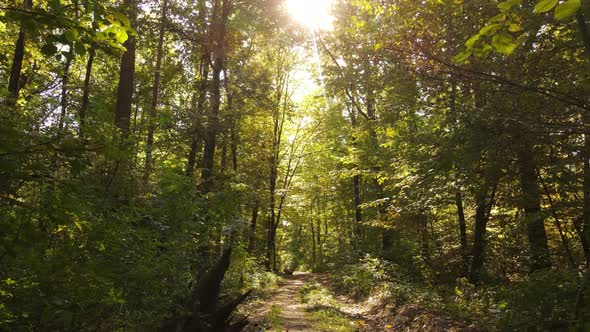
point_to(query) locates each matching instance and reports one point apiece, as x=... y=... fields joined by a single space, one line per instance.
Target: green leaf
x=122 y=18
x=378 y=46
x=490 y=28
x=462 y=56
x=514 y=27
x=545 y=5
x=507 y=5
x=49 y=49
x=498 y=18
x=484 y=51
x=121 y=36
x=504 y=43
x=80 y=48
x=567 y=9
x=71 y=35
x=471 y=41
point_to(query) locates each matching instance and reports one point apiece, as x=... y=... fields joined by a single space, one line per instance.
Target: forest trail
x=292 y=315
x=288 y=299
x=287 y=310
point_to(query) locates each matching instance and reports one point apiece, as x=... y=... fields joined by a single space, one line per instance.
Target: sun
x=314 y=14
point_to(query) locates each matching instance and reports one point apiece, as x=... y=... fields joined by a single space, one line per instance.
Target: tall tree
x=155 y=94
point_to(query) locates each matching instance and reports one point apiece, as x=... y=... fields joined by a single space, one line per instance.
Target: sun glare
x=314 y=14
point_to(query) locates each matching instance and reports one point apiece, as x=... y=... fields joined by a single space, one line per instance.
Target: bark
x=126 y=78
x=319 y=234
x=562 y=236
x=358 y=216
x=479 y=240
x=252 y=235
x=424 y=237
x=580 y=233
x=585 y=227
x=86 y=93
x=462 y=233
x=64 y=97
x=212 y=129
x=155 y=94
x=273 y=219
x=313 y=246
x=224 y=155
x=234 y=148
x=482 y=215
x=531 y=204
x=14 y=82
x=196 y=138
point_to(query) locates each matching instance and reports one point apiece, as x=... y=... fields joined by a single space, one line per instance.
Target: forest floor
x=306 y=302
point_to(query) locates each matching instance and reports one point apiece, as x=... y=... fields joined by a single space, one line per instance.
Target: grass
x=323 y=310
x=272 y=320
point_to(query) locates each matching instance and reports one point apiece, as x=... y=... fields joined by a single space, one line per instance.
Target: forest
x=294 y=165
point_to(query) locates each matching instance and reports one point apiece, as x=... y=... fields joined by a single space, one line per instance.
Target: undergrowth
x=324 y=310
x=544 y=301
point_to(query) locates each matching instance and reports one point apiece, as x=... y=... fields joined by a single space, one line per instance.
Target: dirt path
x=288 y=299
x=323 y=310
x=285 y=308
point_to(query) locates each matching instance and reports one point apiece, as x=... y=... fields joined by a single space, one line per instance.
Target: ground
x=305 y=302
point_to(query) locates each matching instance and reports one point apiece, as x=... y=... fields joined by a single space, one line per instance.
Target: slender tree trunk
x=319 y=234
x=86 y=93
x=482 y=215
x=14 y=81
x=585 y=228
x=252 y=235
x=224 y=155
x=126 y=78
x=462 y=233
x=358 y=216
x=562 y=236
x=586 y=187
x=424 y=237
x=196 y=138
x=313 y=246
x=531 y=204
x=479 y=240
x=271 y=220
x=155 y=94
x=213 y=116
x=580 y=233
x=64 y=97
x=234 y=148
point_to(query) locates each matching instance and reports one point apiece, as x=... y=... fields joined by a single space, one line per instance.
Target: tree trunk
x=155 y=94
x=64 y=97
x=479 y=240
x=234 y=148
x=585 y=227
x=583 y=28
x=562 y=235
x=531 y=204
x=224 y=155
x=196 y=138
x=213 y=115
x=14 y=81
x=424 y=237
x=358 y=217
x=313 y=247
x=126 y=77
x=252 y=235
x=462 y=233
x=482 y=215
x=86 y=94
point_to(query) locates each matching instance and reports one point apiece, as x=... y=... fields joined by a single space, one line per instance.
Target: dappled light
x=295 y=165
